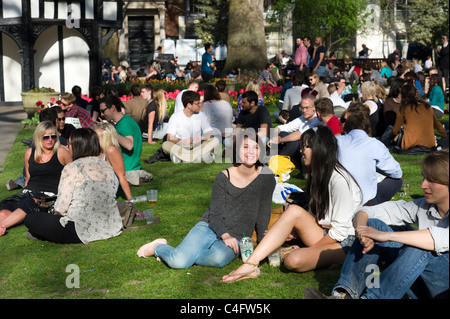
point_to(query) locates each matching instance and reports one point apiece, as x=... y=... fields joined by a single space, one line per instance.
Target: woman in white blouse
x=326 y=229
x=86 y=208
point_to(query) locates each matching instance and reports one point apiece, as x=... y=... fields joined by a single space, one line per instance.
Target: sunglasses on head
x=47 y=137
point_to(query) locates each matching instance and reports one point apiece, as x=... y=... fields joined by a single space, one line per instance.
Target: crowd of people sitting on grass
x=341 y=140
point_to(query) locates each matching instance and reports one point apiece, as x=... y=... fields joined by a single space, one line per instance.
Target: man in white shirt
x=192 y=86
x=189 y=135
x=335 y=90
x=417 y=66
x=287 y=136
x=428 y=63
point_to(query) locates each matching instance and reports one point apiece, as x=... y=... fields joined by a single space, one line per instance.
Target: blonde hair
x=69 y=97
x=160 y=98
x=254 y=86
x=107 y=135
x=316 y=77
x=381 y=91
x=369 y=88
x=37 y=138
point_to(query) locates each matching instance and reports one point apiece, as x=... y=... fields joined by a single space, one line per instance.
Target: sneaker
x=175 y=159
x=208 y=158
x=10 y=185
x=312 y=293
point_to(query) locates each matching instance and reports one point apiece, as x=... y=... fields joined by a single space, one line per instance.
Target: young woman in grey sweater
x=241 y=202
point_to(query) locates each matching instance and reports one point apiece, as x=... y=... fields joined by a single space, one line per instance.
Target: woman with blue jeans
x=325 y=229
x=413 y=261
x=241 y=203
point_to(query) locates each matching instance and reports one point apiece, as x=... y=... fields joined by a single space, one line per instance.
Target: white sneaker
x=208 y=158
x=175 y=159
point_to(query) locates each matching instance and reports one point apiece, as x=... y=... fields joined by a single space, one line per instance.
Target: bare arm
x=294 y=136
x=64 y=155
x=126 y=142
x=367 y=235
x=173 y=139
x=26 y=159
x=95 y=116
x=114 y=157
x=151 y=118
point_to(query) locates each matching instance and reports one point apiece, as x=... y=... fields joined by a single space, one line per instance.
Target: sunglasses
x=62 y=118
x=104 y=110
x=47 y=137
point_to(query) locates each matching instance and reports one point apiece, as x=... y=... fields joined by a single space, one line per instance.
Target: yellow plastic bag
x=282 y=166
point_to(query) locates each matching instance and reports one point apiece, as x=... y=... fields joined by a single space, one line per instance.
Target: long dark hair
x=239 y=140
x=84 y=143
x=396 y=85
x=410 y=98
x=324 y=161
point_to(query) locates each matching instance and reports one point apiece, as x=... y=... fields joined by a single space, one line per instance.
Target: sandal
x=287 y=250
x=245 y=275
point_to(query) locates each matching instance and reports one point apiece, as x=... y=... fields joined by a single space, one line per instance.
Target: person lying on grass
x=241 y=202
x=327 y=229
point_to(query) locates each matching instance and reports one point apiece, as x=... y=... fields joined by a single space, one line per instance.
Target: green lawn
x=111 y=269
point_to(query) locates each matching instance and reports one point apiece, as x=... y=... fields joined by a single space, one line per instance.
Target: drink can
x=246 y=247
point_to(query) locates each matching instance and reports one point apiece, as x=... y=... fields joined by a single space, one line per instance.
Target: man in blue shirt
x=208 y=66
x=369 y=161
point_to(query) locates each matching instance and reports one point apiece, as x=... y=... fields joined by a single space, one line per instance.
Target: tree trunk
x=246 y=46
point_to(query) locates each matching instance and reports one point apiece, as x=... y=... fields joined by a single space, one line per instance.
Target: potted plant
x=34 y=98
x=33 y=120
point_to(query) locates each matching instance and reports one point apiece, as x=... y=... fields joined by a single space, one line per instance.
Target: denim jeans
x=406 y=267
x=321 y=70
x=201 y=247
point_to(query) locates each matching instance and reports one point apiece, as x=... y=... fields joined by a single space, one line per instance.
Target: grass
x=110 y=269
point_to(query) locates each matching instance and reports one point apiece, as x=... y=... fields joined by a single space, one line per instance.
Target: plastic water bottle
x=274 y=258
x=138 y=199
x=246 y=247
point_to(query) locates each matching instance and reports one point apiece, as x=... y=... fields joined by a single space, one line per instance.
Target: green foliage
x=428 y=20
x=41 y=90
x=213 y=26
x=32 y=121
x=336 y=21
x=110 y=269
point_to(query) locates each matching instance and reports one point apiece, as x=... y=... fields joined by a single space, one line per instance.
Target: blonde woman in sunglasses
x=43 y=166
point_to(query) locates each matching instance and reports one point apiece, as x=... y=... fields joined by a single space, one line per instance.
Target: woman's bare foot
x=246 y=271
x=149 y=249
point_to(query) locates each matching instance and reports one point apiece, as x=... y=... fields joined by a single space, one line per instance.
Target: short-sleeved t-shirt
x=183 y=127
x=206 y=63
x=128 y=127
x=254 y=120
x=335 y=126
x=319 y=50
